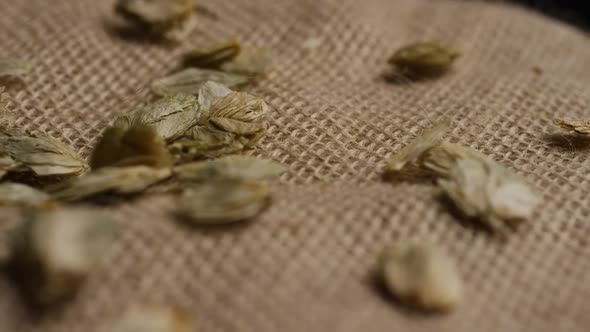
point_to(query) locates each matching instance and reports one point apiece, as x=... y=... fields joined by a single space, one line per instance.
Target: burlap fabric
x=307 y=263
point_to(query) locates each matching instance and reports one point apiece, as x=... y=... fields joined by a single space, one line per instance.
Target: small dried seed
x=15 y=66
x=154 y=319
x=425 y=58
x=235 y=167
x=576 y=125
x=191 y=80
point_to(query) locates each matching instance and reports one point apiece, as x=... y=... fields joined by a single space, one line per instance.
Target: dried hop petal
x=424 y=58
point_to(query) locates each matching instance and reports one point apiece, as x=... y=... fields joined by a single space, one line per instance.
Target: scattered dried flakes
x=191 y=80
x=171 y=116
x=55 y=250
x=482 y=188
x=428 y=139
x=250 y=61
x=234 y=167
x=119 y=180
x=171 y=19
x=223 y=201
x=576 y=125
x=20 y=194
x=154 y=319
x=213 y=56
x=425 y=58
x=422 y=275
x=138 y=145
x=39 y=153
x=15 y=66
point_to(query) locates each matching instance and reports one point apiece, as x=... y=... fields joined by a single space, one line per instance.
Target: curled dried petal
x=576 y=125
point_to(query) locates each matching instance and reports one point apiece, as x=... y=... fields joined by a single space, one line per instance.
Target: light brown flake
x=234 y=167
x=576 y=125
x=146 y=318
x=15 y=66
x=425 y=58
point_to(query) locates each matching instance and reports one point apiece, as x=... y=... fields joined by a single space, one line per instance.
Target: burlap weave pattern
x=306 y=264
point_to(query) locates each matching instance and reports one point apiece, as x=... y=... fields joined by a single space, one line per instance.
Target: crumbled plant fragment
x=202 y=142
x=15 y=66
x=426 y=140
x=482 y=188
x=171 y=116
x=138 y=145
x=191 y=80
x=20 y=194
x=235 y=167
x=42 y=154
x=56 y=249
x=421 y=275
x=146 y=318
x=424 y=58
x=250 y=61
x=223 y=201
x=576 y=125
x=213 y=56
x=118 y=180
x=170 y=19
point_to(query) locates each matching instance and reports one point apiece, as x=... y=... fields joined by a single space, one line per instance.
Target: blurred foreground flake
x=191 y=80
x=223 y=201
x=139 y=145
x=213 y=56
x=578 y=126
x=55 y=250
x=425 y=58
x=171 y=116
x=118 y=180
x=482 y=188
x=250 y=61
x=39 y=153
x=15 y=66
x=234 y=167
x=425 y=141
x=170 y=19
x=20 y=194
x=155 y=319
x=421 y=275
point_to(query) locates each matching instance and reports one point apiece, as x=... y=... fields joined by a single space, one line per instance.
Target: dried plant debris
x=482 y=188
x=20 y=194
x=234 y=167
x=213 y=56
x=170 y=19
x=138 y=145
x=424 y=58
x=15 y=66
x=421 y=275
x=426 y=140
x=154 y=319
x=118 y=180
x=42 y=154
x=575 y=125
x=204 y=142
x=223 y=201
x=250 y=61
x=55 y=250
x=191 y=80
x=171 y=116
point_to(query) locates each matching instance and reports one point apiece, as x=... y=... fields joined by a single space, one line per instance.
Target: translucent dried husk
x=223 y=201
x=191 y=80
x=138 y=145
x=55 y=250
x=39 y=153
x=15 y=66
x=20 y=194
x=210 y=92
x=421 y=275
x=250 y=61
x=213 y=56
x=235 y=167
x=170 y=19
x=117 y=180
x=425 y=58
x=576 y=125
x=154 y=319
x=171 y=116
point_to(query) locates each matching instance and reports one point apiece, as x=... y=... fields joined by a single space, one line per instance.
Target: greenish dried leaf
x=213 y=56
x=171 y=116
x=20 y=194
x=154 y=319
x=39 y=153
x=15 y=66
x=139 y=145
x=55 y=250
x=425 y=58
x=234 y=167
x=223 y=201
x=421 y=275
x=117 y=180
x=191 y=80
x=250 y=61
x=576 y=125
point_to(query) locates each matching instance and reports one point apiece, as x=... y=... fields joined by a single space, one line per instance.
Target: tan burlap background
x=306 y=264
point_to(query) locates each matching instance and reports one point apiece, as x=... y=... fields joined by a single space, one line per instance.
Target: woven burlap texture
x=307 y=263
